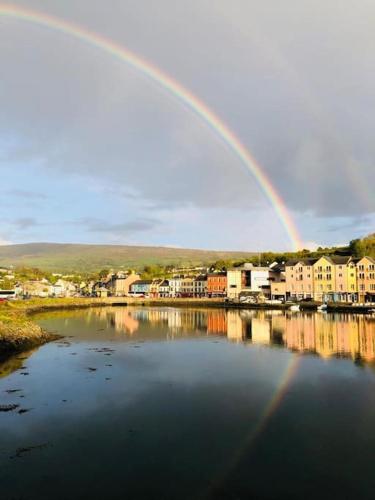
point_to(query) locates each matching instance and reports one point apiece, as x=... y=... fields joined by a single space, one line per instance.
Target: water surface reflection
x=174 y=403
x=326 y=335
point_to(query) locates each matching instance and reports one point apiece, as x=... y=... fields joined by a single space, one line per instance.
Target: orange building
x=217 y=284
x=216 y=322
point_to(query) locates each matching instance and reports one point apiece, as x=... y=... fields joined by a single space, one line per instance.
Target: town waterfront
x=163 y=402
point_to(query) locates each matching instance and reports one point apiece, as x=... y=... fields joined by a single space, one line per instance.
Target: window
x=361 y=287
x=328 y=269
x=320 y=276
x=329 y=287
x=329 y=276
x=372 y=287
x=340 y=275
x=361 y=268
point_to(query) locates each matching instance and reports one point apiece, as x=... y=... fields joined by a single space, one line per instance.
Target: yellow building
x=328 y=278
x=299 y=279
x=324 y=279
x=366 y=279
x=345 y=279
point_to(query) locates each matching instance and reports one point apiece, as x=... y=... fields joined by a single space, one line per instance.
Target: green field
x=92 y=258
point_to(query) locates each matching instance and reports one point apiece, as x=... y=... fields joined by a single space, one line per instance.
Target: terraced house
x=217 y=284
x=366 y=279
x=334 y=278
x=299 y=279
x=324 y=279
x=345 y=279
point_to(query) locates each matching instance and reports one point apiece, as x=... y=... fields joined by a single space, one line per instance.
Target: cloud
x=122 y=229
x=299 y=102
x=24 y=223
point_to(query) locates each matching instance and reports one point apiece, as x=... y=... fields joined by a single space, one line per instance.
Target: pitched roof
x=201 y=277
x=308 y=261
x=278 y=268
x=371 y=259
x=340 y=259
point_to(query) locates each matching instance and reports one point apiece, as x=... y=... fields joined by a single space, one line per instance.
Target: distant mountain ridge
x=70 y=257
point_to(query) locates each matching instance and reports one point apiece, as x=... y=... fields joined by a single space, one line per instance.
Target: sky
x=92 y=151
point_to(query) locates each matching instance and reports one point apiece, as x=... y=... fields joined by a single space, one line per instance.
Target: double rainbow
x=174 y=88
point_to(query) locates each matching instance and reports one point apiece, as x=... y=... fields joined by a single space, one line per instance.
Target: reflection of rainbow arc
x=173 y=87
x=255 y=431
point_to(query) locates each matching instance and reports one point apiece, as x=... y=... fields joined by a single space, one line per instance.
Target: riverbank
x=18 y=332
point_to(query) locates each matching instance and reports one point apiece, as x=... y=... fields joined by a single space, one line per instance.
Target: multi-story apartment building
x=345 y=279
x=247 y=279
x=331 y=278
x=217 y=284
x=324 y=279
x=366 y=279
x=200 y=286
x=335 y=279
x=187 y=287
x=299 y=279
x=175 y=286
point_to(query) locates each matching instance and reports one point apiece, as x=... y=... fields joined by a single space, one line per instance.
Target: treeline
x=357 y=247
x=364 y=246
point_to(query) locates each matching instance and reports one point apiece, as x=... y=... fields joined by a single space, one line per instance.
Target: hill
x=58 y=257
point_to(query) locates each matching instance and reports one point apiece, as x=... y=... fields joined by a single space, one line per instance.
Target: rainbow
x=259 y=427
x=174 y=88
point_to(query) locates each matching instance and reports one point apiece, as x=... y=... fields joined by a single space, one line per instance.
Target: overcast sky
x=92 y=152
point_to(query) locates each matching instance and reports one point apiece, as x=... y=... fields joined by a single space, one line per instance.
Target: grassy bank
x=18 y=332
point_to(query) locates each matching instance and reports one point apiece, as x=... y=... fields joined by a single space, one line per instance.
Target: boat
x=322 y=308
x=294 y=307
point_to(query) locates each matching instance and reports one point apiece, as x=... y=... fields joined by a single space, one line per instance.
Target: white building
x=63 y=288
x=248 y=278
x=175 y=285
x=200 y=286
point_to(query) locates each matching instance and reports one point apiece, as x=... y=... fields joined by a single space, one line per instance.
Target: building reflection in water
x=327 y=335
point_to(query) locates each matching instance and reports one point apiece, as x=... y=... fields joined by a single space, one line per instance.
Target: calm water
x=163 y=403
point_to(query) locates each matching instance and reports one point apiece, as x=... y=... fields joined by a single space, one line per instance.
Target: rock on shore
x=18 y=337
